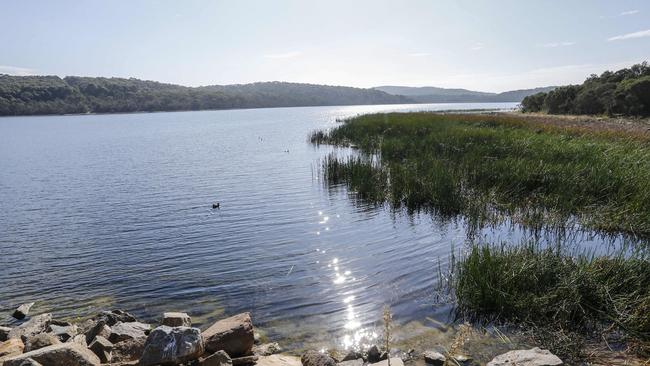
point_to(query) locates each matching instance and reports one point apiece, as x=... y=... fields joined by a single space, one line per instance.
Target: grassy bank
x=488 y=167
x=565 y=300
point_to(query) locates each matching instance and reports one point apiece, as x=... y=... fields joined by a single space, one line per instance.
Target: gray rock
x=219 y=358
x=171 y=346
x=35 y=325
x=11 y=347
x=62 y=330
x=125 y=331
x=434 y=358
x=4 y=333
x=22 y=311
x=129 y=350
x=315 y=358
x=29 y=362
x=352 y=355
x=531 y=357
x=176 y=320
x=64 y=354
x=115 y=316
x=100 y=328
x=39 y=341
x=279 y=360
x=374 y=355
x=243 y=361
x=394 y=361
x=102 y=348
x=357 y=362
x=267 y=349
x=233 y=335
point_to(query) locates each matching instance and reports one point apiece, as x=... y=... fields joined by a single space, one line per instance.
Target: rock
x=125 y=331
x=257 y=338
x=100 y=328
x=461 y=359
x=394 y=361
x=531 y=357
x=4 y=333
x=62 y=330
x=102 y=348
x=357 y=362
x=35 y=325
x=30 y=362
x=246 y=360
x=171 y=346
x=22 y=311
x=352 y=355
x=374 y=355
x=219 y=358
x=176 y=320
x=39 y=341
x=267 y=349
x=63 y=354
x=127 y=351
x=115 y=316
x=278 y=360
x=434 y=358
x=11 y=347
x=79 y=339
x=315 y=358
x=233 y=335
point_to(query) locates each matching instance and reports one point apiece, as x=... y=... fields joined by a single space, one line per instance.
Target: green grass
x=557 y=293
x=489 y=167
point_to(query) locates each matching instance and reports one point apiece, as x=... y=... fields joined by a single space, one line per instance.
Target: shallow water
x=114 y=211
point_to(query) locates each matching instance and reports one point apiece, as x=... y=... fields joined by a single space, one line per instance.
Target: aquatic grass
x=556 y=292
x=486 y=167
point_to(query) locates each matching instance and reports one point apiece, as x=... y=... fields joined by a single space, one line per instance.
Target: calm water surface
x=114 y=211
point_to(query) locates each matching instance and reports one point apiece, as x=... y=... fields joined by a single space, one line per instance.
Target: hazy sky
x=490 y=45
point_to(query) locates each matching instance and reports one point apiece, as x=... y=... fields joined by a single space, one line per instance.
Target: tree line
x=624 y=92
x=36 y=95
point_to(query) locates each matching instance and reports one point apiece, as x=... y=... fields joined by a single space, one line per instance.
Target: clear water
x=114 y=211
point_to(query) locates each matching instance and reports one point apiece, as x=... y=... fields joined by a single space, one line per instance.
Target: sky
x=486 y=45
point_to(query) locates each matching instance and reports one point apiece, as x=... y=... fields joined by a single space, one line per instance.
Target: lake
x=115 y=211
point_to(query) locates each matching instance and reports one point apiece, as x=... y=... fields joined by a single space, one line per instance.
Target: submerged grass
x=486 y=167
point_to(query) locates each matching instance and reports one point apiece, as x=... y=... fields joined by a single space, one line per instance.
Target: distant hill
x=430 y=94
x=27 y=95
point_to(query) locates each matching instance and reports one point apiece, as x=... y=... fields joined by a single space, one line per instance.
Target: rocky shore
x=118 y=338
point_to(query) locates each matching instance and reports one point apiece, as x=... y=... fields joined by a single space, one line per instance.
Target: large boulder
x=64 y=354
x=30 y=362
x=530 y=357
x=98 y=329
x=127 y=351
x=4 y=333
x=233 y=335
x=11 y=347
x=22 y=311
x=219 y=358
x=315 y=358
x=125 y=331
x=35 y=325
x=62 y=330
x=176 y=320
x=39 y=341
x=171 y=346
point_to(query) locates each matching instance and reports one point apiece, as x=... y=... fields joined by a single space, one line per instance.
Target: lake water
x=114 y=211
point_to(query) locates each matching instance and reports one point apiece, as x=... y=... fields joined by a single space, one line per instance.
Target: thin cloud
x=16 y=71
x=640 y=34
x=557 y=44
x=629 y=12
x=291 y=54
x=477 y=47
x=419 y=54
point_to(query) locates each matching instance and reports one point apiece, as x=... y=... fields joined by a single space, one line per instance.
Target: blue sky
x=490 y=45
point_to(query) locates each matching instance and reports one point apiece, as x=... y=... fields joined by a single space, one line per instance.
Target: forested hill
x=27 y=95
x=430 y=94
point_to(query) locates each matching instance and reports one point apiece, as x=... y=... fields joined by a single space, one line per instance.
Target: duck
x=215 y=205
